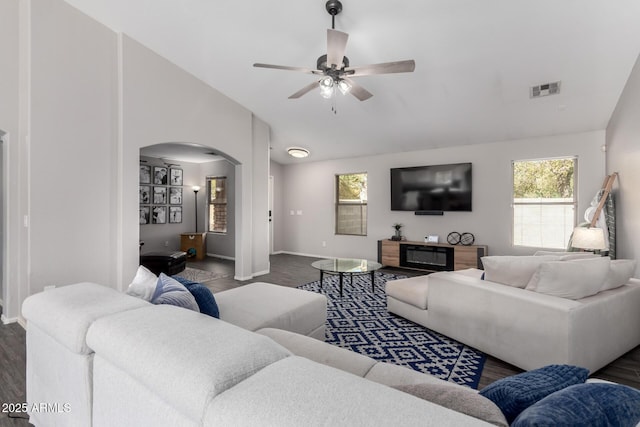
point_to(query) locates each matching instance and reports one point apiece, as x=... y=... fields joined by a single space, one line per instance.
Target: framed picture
x=159 y=215
x=175 y=195
x=175 y=214
x=175 y=176
x=145 y=212
x=145 y=174
x=145 y=194
x=159 y=195
x=160 y=175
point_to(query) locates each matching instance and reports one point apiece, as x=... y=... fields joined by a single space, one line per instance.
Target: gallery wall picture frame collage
x=160 y=195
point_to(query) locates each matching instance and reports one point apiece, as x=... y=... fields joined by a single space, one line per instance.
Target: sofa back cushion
x=185 y=357
x=574 y=279
x=298 y=392
x=513 y=270
x=620 y=271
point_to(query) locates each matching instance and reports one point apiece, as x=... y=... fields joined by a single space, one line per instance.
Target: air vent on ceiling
x=545 y=90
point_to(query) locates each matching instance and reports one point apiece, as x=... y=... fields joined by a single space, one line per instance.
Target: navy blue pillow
x=516 y=393
x=203 y=296
x=593 y=404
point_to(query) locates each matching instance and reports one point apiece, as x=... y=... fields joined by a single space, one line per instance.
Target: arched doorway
x=169 y=206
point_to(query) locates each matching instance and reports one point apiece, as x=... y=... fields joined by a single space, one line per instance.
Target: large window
x=217 y=190
x=351 y=204
x=544 y=202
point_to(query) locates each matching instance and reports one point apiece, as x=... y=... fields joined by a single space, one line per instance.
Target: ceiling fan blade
x=284 y=67
x=304 y=90
x=358 y=91
x=385 y=68
x=336 y=45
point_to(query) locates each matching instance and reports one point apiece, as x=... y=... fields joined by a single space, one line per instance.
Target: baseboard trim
x=261 y=273
x=221 y=257
x=6 y=320
x=308 y=255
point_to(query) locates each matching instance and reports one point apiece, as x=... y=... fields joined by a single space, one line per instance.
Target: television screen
x=431 y=188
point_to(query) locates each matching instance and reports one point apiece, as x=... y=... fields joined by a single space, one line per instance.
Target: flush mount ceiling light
x=298 y=152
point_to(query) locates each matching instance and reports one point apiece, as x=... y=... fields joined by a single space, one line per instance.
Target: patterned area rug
x=199 y=276
x=359 y=321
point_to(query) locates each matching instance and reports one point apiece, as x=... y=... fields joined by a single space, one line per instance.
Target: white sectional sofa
x=523 y=327
x=109 y=359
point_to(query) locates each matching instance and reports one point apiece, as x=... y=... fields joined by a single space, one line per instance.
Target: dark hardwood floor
x=286 y=270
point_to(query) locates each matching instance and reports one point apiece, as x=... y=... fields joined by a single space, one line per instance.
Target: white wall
x=87 y=100
x=162 y=103
x=72 y=152
x=310 y=187
x=260 y=188
x=277 y=171
x=623 y=156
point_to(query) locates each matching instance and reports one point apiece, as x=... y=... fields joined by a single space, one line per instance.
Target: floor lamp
x=195 y=189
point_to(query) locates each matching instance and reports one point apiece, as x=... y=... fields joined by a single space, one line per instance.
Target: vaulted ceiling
x=475 y=62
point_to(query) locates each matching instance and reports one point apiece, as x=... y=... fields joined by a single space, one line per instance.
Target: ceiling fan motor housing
x=334 y=7
x=321 y=64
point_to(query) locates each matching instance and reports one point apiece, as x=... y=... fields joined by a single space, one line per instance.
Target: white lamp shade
x=588 y=238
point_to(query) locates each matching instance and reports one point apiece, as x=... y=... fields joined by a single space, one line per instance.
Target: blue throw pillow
x=169 y=291
x=203 y=295
x=593 y=404
x=516 y=393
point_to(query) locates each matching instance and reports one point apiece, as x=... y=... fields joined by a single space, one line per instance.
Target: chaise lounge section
x=525 y=328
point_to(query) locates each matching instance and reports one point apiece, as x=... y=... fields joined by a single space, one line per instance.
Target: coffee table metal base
x=341 y=279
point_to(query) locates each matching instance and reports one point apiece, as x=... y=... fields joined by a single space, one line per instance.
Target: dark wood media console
x=429 y=256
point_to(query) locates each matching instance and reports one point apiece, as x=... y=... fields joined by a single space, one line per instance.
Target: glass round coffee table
x=342 y=266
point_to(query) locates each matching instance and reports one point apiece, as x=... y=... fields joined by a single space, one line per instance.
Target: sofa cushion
x=265 y=305
x=513 y=270
x=459 y=399
x=321 y=352
x=412 y=290
x=144 y=284
x=203 y=296
x=585 y=405
x=67 y=312
x=185 y=357
x=574 y=279
x=298 y=392
x=170 y=291
x=567 y=256
x=620 y=271
x=516 y=393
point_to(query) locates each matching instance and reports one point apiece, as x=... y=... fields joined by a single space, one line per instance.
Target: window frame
x=225 y=203
x=573 y=203
x=363 y=225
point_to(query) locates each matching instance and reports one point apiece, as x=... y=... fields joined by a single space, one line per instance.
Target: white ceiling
x=475 y=61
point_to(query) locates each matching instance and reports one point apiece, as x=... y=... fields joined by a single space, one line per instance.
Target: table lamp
x=588 y=239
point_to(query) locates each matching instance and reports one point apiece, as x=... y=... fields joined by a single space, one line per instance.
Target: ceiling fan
x=335 y=67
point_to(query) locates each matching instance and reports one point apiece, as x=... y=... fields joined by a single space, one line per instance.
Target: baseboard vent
x=546 y=89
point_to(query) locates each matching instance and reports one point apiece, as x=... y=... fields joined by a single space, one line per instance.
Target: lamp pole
x=195 y=189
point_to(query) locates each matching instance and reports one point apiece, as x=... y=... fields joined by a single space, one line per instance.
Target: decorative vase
x=398 y=235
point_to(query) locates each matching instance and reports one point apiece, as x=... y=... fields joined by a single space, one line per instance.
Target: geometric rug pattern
x=359 y=321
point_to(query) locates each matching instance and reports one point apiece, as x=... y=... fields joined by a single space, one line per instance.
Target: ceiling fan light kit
x=335 y=67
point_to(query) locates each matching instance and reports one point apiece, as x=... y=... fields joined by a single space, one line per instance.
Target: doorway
x=3 y=226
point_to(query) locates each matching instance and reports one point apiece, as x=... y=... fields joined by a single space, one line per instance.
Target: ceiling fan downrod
x=334 y=7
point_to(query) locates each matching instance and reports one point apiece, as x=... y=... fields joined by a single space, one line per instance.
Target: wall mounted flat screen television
x=432 y=188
